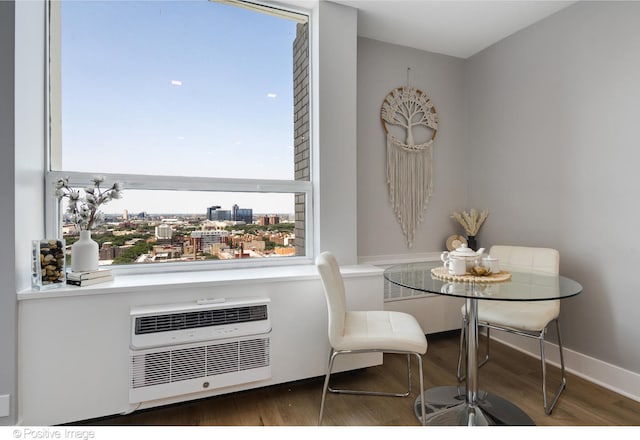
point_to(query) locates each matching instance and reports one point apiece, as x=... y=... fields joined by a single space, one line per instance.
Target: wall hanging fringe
x=409 y=165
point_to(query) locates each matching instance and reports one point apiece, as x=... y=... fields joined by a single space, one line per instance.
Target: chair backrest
x=544 y=261
x=334 y=293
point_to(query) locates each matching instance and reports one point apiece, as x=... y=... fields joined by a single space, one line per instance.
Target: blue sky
x=177 y=88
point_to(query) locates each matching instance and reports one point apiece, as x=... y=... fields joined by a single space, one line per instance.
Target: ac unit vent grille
x=155 y=369
x=148 y=369
x=253 y=354
x=197 y=319
x=222 y=358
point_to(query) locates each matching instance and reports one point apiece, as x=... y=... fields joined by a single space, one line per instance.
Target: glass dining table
x=467 y=405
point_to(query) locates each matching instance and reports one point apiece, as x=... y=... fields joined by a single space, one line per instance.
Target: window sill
x=140 y=283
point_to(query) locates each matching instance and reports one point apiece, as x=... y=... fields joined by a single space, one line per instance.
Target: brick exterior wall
x=301 y=126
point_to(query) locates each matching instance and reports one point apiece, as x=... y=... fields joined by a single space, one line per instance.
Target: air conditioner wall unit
x=186 y=348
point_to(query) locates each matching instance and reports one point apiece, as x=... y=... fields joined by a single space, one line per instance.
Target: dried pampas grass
x=472 y=220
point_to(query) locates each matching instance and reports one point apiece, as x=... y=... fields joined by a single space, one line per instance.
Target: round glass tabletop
x=520 y=286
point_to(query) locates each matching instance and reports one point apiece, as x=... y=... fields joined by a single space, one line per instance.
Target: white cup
x=491 y=263
x=456 y=266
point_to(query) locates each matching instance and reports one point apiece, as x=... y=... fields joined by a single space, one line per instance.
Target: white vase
x=84 y=253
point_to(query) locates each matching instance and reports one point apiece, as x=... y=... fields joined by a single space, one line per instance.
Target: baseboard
x=611 y=377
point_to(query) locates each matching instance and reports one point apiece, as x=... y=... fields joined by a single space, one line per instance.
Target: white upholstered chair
x=524 y=318
x=366 y=331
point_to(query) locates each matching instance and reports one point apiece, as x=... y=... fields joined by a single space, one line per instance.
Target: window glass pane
x=140 y=228
x=181 y=88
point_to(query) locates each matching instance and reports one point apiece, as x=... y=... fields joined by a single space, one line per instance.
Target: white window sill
x=140 y=283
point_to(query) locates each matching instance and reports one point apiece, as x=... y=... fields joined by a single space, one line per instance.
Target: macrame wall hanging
x=410 y=122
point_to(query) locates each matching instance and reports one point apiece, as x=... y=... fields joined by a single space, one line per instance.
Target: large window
x=200 y=108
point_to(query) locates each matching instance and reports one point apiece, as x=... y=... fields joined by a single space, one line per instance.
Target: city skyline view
x=174 y=202
x=178 y=89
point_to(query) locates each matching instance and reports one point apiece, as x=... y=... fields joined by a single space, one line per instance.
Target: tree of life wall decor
x=410 y=122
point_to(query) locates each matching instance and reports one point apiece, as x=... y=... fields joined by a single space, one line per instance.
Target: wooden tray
x=443 y=274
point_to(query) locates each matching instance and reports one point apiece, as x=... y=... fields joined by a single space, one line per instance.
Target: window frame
x=53 y=149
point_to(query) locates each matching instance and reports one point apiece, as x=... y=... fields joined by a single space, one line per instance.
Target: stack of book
x=89 y=278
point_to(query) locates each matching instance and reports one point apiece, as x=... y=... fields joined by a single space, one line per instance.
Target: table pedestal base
x=448 y=406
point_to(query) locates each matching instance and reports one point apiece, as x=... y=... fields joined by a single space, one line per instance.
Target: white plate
x=455 y=241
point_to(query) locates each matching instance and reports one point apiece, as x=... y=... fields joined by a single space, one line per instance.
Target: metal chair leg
x=548 y=407
x=463 y=341
x=424 y=413
x=326 y=387
x=332 y=356
x=461 y=377
x=563 y=380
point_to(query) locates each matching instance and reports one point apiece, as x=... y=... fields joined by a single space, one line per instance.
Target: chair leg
x=463 y=342
x=332 y=357
x=424 y=413
x=334 y=354
x=563 y=380
x=548 y=407
x=486 y=357
x=376 y=393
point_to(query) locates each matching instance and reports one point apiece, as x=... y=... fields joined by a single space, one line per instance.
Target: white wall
x=334 y=55
x=553 y=154
x=8 y=304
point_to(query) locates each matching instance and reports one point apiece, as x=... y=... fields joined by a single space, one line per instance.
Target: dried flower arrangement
x=471 y=221
x=84 y=210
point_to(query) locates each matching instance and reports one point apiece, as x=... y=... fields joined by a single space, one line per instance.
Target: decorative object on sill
x=89 y=278
x=90 y=282
x=89 y=275
x=410 y=122
x=85 y=253
x=47 y=264
x=84 y=213
x=471 y=222
x=455 y=241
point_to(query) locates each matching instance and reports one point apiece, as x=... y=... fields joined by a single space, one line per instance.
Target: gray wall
x=542 y=130
x=553 y=152
x=8 y=305
x=381 y=68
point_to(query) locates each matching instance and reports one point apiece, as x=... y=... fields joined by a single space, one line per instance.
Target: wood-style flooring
x=509 y=374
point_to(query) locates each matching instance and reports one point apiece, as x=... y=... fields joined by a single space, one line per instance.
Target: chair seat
x=523 y=315
x=382 y=330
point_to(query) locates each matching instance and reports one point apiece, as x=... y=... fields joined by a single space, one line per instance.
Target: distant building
x=242 y=214
x=204 y=239
x=164 y=231
x=237 y=214
x=166 y=252
x=208 y=225
x=211 y=212
x=214 y=213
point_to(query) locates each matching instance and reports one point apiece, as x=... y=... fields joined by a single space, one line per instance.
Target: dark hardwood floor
x=510 y=374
